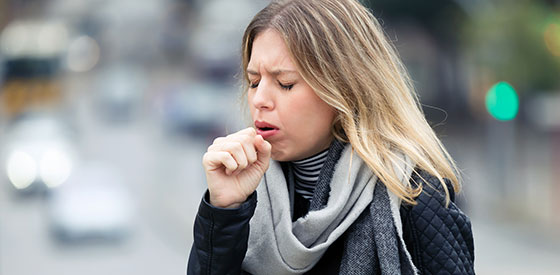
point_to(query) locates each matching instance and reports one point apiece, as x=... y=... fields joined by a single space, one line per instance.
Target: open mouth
x=266 y=128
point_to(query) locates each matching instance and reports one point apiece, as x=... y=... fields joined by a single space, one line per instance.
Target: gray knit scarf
x=348 y=200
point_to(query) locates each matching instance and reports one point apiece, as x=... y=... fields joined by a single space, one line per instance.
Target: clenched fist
x=234 y=166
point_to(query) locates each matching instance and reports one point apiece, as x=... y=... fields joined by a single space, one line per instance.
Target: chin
x=280 y=156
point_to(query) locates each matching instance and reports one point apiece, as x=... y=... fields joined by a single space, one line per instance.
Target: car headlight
x=22 y=169
x=55 y=168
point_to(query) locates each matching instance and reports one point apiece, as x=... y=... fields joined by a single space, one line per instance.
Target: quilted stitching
x=443 y=234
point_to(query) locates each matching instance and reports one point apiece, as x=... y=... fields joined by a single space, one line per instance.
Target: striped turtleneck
x=306 y=173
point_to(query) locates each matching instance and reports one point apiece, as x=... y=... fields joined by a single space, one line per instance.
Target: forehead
x=269 y=52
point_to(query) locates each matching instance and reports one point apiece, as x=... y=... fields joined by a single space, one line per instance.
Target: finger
x=217 y=147
x=218 y=140
x=248 y=144
x=236 y=150
x=263 y=148
x=216 y=160
x=248 y=131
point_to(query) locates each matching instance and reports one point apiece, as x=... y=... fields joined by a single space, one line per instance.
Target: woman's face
x=285 y=110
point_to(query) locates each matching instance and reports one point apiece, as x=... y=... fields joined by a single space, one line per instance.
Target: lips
x=266 y=130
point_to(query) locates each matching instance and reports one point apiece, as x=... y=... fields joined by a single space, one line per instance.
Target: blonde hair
x=342 y=53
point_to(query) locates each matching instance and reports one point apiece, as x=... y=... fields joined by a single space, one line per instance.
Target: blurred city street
x=104 y=122
x=166 y=180
x=162 y=175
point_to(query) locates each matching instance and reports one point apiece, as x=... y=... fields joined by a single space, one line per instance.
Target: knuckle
x=231 y=147
x=224 y=146
x=248 y=140
x=247 y=132
x=218 y=140
x=212 y=148
x=238 y=147
x=245 y=141
x=252 y=131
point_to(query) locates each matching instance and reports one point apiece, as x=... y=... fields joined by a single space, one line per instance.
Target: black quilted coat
x=438 y=238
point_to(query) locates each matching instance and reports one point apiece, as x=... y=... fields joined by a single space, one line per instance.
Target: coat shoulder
x=431 y=185
x=439 y=236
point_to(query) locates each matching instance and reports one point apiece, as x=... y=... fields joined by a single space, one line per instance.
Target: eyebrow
x=275 y=72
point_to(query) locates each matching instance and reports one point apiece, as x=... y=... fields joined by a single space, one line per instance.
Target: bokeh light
x=552 y=38
x=502 y=101
x=55 y=167
x=22 y=169
x=83 y=54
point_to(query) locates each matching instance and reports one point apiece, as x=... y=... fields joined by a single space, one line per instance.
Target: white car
x=92 y=205
x=38 y=151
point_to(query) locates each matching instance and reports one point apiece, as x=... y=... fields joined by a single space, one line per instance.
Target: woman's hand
x=234 y=167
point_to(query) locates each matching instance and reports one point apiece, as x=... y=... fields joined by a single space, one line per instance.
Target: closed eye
x=286 y=87
x=283 y=86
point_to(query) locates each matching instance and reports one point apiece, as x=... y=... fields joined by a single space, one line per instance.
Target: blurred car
x=92 y=205
x=32 y=51
x=39 y=151
x=200 y=109
x=120 y=93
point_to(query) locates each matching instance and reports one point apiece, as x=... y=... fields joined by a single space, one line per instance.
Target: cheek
x=249 y=105
x=296 y=113
x=309 y=115
x=318 y=112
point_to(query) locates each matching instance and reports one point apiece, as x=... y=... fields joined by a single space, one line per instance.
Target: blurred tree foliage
x=516 y=41
x=439 y=17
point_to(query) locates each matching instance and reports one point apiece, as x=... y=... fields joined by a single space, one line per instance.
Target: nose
x=263 y=98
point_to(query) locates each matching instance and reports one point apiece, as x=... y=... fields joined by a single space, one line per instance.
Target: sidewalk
x=515 y=249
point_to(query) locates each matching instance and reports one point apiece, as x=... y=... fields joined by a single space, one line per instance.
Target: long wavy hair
x=341 y=51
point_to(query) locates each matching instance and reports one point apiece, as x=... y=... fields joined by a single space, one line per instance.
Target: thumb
x=263 y=149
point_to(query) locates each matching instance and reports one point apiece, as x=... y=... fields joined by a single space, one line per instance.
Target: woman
x=350 y=178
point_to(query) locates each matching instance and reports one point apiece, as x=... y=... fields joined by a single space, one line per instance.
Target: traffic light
x=502 y=101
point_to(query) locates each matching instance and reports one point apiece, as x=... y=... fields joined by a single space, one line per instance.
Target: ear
x=337 y=130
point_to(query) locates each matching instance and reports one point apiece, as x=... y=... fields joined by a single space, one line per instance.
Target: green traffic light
x=502 y=101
